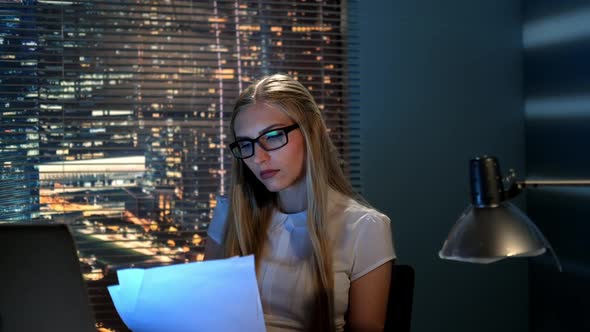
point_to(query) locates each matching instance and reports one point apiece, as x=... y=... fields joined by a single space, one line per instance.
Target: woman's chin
x=273 y=186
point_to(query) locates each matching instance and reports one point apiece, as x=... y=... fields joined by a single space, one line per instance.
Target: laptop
x=41 y=285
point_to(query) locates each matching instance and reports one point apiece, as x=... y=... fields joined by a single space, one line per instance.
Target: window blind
x=114 y=114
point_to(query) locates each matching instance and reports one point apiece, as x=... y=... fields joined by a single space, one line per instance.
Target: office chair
x=401 y=295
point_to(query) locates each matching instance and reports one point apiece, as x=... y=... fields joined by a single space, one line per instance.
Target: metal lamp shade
x=492 y=228
x=489 y=234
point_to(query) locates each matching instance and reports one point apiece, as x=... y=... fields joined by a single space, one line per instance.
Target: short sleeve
x=217 y=225
x=373 y=245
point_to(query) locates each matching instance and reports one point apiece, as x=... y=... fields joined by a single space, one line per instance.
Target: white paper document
x=216 y=295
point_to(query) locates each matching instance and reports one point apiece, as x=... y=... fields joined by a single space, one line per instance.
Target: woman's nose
x=260 y=155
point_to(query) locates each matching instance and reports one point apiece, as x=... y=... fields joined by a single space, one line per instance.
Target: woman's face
x=277 y=169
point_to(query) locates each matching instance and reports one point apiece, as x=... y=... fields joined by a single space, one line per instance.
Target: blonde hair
x=252 y=204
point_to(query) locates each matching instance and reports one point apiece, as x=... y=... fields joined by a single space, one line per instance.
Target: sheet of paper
x=217 y=295
x=127 y=296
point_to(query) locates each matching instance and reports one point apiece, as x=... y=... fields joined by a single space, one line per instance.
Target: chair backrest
x=401 y=296
x=41 y=285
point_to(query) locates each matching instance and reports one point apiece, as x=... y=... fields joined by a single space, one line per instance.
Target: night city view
x=114 y=114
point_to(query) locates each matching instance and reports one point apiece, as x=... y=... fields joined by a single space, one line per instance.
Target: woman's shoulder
x=352 y=212
x=361 y=234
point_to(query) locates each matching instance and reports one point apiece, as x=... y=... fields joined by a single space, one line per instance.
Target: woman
x=323 y=255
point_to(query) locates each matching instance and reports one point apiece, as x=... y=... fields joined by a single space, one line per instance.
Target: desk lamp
x=492 y=228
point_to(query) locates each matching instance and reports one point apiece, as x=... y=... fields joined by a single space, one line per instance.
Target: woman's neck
x=294 y=198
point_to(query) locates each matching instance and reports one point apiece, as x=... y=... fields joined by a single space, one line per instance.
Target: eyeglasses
x=271 y=140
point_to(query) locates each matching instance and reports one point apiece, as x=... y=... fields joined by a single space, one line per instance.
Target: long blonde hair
x=252 y=204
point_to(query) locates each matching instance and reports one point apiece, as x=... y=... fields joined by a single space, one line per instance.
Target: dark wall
x=441 y=82
x=556 y=40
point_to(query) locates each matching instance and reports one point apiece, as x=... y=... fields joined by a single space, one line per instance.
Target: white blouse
x=362 y=241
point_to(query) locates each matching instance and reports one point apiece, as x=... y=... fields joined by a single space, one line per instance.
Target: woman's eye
x=273 y=135
x=244 y=144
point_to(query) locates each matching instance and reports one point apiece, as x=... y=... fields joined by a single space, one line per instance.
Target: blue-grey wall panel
x=556 y=39
x=440 y=84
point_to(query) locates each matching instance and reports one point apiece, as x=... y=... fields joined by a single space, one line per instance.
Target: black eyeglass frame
x=286 y=130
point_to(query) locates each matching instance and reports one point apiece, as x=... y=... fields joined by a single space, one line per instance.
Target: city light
x=114 y=115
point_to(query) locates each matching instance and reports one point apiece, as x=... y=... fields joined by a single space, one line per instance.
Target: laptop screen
x=41 y=286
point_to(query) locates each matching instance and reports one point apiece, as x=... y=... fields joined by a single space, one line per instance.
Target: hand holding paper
x=217 y=295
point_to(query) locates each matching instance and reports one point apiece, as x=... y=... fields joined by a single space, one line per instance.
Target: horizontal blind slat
x=89 y=87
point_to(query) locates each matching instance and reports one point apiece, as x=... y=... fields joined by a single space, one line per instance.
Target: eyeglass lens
x=269 y=141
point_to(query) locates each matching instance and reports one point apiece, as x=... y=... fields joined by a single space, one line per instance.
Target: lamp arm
x=560 y=183
x=518 y=186
x=515 y=188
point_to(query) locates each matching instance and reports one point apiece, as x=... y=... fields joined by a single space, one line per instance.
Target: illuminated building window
x=115 y=113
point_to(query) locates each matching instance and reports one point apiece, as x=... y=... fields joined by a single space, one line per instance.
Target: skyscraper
x=124 y=107
x=19 y=115
x=101 y=80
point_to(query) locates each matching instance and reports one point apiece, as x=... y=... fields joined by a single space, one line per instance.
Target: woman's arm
x=216 y=230
x=213 y=250
x=367 y=305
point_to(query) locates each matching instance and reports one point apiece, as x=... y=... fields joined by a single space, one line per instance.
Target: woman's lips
x=267 y=174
